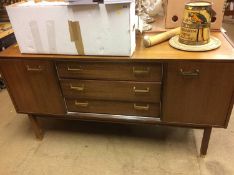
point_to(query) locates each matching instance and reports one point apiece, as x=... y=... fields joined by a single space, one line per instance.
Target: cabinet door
x=33 y=86
x=198 y=93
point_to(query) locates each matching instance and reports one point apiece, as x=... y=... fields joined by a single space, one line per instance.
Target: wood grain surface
x=33 y=86
x=113 y=107
x=110 y=71
x=112 y=90
x=198 y=98
x=160 y=52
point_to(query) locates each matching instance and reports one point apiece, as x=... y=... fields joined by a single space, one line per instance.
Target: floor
x=86 y=148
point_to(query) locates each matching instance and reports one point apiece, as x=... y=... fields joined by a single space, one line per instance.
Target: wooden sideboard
x=157 y=85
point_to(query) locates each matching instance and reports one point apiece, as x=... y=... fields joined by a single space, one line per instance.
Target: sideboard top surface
x=160 y=52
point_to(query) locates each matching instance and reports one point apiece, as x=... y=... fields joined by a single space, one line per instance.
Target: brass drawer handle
x=195 y=72
x=77 y=88
x=73 y=69
x=141 y=108
x=81 y=104
x=37 y=69
x=147 y=90
x=141 y=71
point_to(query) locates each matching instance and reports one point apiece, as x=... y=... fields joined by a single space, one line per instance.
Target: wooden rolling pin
x=156 y=39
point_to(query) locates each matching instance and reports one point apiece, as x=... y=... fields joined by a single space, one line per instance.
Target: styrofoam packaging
x=175 y=9
x=101 y=29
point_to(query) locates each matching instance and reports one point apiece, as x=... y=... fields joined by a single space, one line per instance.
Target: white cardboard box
x=56 y=28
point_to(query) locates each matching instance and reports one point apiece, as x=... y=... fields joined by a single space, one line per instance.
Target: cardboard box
x=59 y=28
x=174 y=13
x=96 y=1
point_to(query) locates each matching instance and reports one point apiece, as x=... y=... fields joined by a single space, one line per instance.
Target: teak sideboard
x=157 y=85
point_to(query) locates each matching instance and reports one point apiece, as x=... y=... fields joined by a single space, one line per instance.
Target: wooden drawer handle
x=141 y=108
x=77 y=88
x=195 y=72
x=34 y=69
x=81 y=104
x=141 y=71
x=73 y=69
x=135 y=90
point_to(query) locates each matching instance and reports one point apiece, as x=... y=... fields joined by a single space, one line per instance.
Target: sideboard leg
x=36 y=127
x=205 y=141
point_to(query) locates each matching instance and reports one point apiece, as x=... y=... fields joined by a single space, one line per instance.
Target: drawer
x=110 y=71
x=112 y=107
x=112 y=90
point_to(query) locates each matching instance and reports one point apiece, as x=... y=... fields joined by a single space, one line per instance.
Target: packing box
x=174 y=12
x=60 y=28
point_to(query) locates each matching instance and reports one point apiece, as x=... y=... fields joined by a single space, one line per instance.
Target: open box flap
x=80 y=2
x=69 y=2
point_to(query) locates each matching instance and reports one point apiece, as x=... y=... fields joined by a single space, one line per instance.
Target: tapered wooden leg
x=36 y=127
x=205 y=141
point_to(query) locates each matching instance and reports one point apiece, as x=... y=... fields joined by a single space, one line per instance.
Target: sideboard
x=157 y=85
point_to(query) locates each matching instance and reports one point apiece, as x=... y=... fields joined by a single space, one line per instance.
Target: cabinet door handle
x=77 y=88
x=73 y=69
x=195 y=72
x=141 y=108
x=81 y=104
x=135 y=90
x=141 y=71
x=35 y=69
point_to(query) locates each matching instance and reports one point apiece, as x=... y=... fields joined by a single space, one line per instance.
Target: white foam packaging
x=59 y=28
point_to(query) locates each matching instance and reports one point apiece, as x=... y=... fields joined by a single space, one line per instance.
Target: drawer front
x=115 y=108
x=112 y=90
x=110 y=71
